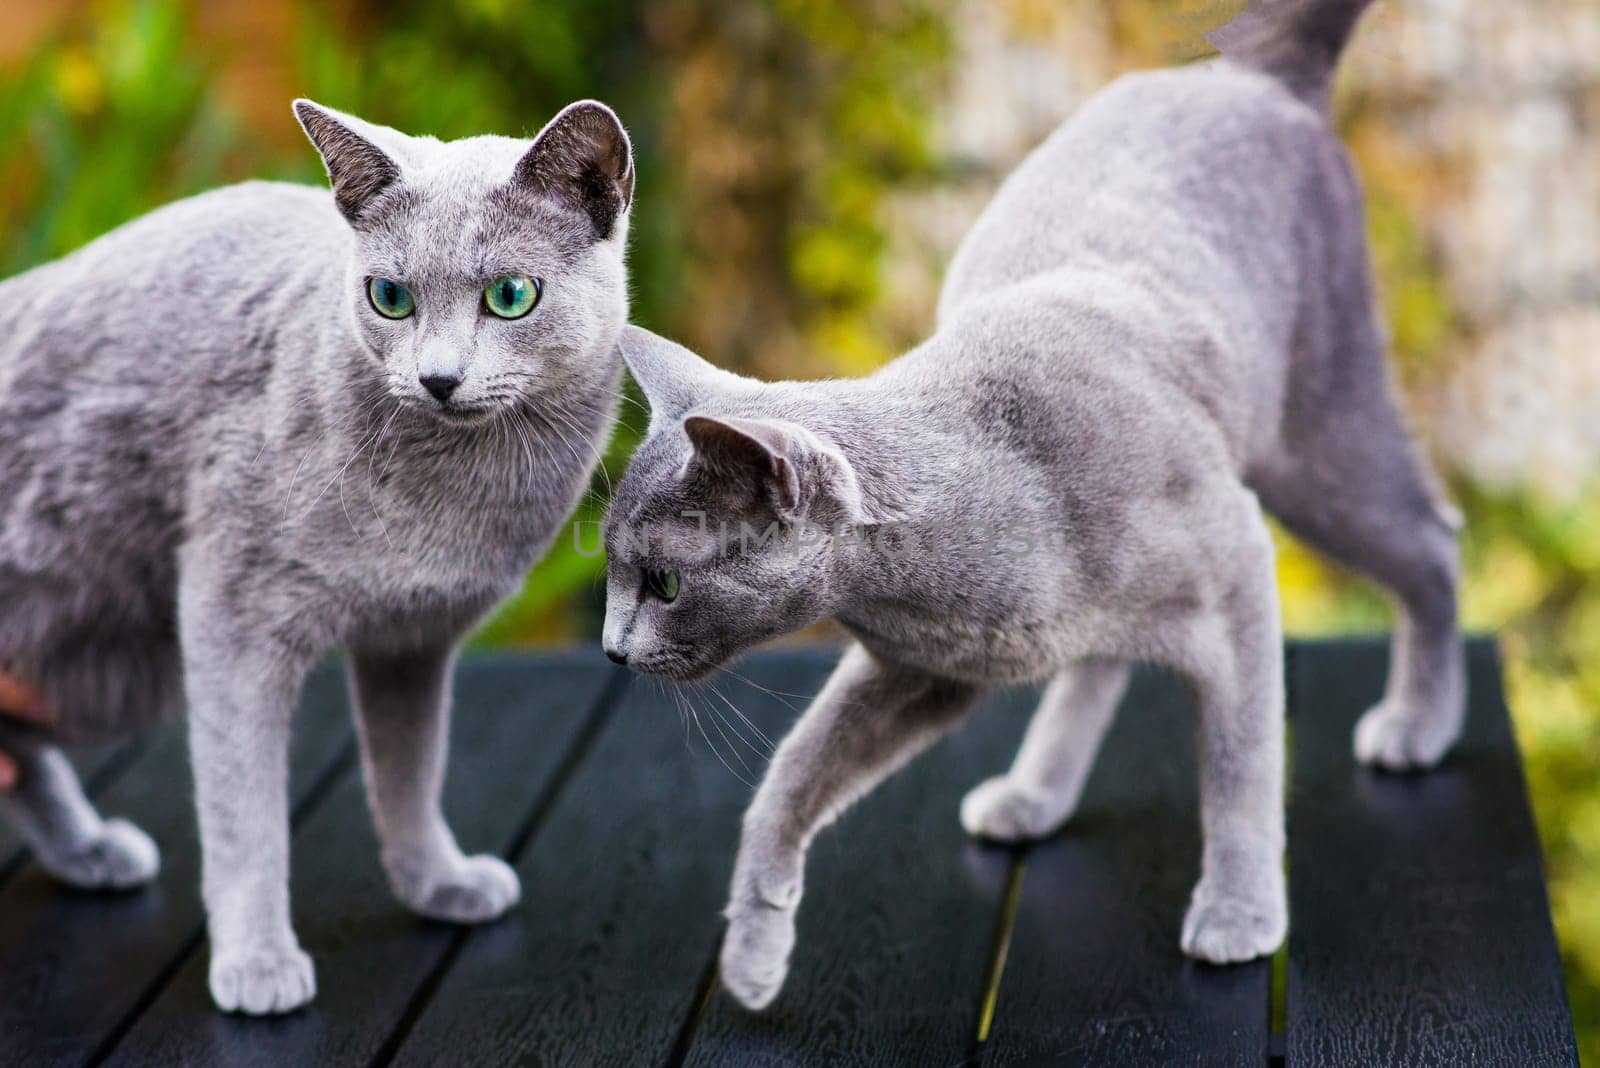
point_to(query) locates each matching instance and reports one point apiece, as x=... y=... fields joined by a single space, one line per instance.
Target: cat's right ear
x=583 y=159
x=358 y=169
x=673 y=378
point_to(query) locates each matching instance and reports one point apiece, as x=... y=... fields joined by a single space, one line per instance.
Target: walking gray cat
x=1162 y=323
x=266 y=422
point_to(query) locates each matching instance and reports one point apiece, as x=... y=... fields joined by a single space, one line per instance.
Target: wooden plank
x=1094 y=974
x=622 y=887
x=517 y=721
x=897 y=926
x=1421 y=933
x=74 y=966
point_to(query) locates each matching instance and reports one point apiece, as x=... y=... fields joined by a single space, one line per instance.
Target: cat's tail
x=1298 y=42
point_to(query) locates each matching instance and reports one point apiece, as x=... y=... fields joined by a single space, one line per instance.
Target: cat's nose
x=616 y=656
x=441 y=386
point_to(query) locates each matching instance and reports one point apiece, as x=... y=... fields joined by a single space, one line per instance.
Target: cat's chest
x=428 y=578
x=467 y=542
x=981 y=648
x=426 y=542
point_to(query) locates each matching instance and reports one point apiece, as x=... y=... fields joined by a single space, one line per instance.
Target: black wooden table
x=1420 y=930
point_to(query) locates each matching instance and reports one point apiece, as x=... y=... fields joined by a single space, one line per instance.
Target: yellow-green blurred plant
x=788 y=125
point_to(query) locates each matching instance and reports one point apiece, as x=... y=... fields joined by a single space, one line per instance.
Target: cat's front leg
x=1239 y=910
x=241 y=688
x=69 y=838
x=868 y=720
x=403 y=716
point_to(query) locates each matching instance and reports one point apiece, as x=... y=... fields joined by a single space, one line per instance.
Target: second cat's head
x=486 y=271
x=727 y=528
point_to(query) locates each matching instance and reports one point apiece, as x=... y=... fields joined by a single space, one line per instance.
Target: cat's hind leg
x=869 y=719
x=1042 y=789
x=68 y=837
x=1351 y=485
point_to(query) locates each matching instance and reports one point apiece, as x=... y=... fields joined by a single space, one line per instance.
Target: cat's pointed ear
x=673 y=378
x=583 y=158
x=358 y=169
x=803 y=476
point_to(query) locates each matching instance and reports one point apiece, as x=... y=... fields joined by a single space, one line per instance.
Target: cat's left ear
x=803 y=476
x=583 y=158
x=673 y=378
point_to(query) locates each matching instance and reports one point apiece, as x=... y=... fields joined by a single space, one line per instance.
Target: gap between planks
x=704 y=991
x=1005 y=923
x=1278 y=982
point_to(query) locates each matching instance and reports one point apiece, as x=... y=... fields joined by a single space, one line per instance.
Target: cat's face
x=485 y=272
x=726 y=529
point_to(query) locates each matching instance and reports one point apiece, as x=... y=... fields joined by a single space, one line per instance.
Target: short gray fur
x=217 y=462
x=1162 y=324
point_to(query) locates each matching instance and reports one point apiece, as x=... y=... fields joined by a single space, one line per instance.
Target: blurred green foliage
x=99 y=128
x=770 y=135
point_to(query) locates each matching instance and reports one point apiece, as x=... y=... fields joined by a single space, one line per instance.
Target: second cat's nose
x=616 y=655
x=441 y=386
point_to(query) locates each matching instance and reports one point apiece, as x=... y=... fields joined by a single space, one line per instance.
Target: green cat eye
x=661 y=584
x=512 y=296
x=390 y=299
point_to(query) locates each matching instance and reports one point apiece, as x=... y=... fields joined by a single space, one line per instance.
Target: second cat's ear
x=583 y=158
x=804 y=477
x=358 y=169
x=673 y=378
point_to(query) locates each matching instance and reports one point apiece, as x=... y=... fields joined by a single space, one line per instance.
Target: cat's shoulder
x=264 y=207
x=261 y=193
x=267 y=225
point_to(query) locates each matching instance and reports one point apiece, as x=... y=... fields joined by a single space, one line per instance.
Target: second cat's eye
x=390 y=299
x=512 y=296
x=661 y=583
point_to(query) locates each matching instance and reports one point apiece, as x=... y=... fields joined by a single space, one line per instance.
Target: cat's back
x=1193 y=173
x=177 y=273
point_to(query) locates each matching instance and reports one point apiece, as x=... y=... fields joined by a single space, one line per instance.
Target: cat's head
x=726 y=529
x=485 y=271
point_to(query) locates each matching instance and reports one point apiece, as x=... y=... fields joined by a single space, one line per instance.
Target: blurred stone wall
x=1476 y=132
x=1509 y=94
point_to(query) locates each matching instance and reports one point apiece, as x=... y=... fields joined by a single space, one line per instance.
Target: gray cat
x=266 y=422
x=1163 y=323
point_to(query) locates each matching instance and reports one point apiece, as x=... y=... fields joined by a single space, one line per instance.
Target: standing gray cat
x=266 y=422
x=1163 y=323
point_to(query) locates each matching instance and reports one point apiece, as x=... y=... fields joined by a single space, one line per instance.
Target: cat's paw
x=755 y=953
x=1005 y=811
x=1225 y=929
x=1399 y=737
x=262 y=980
x=469 y=890
x=117 y=857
